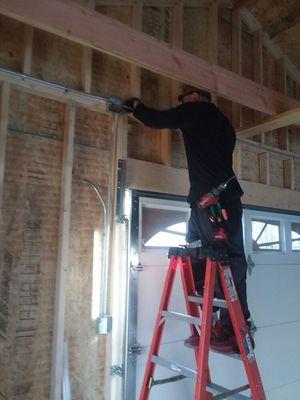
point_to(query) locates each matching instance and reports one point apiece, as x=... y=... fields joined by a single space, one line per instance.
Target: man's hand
x=130 y=104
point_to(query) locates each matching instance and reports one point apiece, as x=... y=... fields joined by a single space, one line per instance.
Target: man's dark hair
x=188 y=89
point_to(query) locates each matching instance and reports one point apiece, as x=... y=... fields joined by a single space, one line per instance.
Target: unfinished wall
x=33 y=187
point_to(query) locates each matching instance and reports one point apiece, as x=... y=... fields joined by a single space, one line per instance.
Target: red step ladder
x=217 y=262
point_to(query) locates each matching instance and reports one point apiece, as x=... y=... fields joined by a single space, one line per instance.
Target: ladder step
x=191 y=373
x=181 y=317
x=216 y=302
x=174 y=366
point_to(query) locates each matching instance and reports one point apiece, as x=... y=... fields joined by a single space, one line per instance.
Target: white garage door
x=272 y=242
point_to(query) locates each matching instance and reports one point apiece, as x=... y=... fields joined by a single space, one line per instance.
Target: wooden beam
x=165 y=146
x=283 y=133
x=4 y=116
x=62 y=255
x=237 y=161
x=52 y=91
x=98 y=31
x=135 y=73
x=144 y=175
x=278 y=121
x=28 y=45
x=258 y=70
x=177 y=41
x=212 y=40
x=254 y=25
x=87 y=61
x=236 y=62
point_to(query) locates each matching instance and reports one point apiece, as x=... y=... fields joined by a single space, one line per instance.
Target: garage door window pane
x=265 y=235
x=295 y=234
x=163 y=228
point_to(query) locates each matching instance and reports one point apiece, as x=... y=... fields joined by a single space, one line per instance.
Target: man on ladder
x=209 y=142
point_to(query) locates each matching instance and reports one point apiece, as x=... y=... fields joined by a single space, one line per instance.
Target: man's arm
x=173 y=118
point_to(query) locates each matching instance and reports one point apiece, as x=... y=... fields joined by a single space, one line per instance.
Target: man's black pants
x=200 y=227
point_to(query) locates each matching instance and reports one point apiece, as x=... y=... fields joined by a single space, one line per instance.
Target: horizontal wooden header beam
x=275 y=122
x=102 y=33
x=148 y=176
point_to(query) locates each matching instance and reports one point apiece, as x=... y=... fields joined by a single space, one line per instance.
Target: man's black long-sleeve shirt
x=209 y=141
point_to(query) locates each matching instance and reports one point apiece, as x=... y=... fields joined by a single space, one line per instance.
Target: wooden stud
x=177 y=41
x=289 y=174
x=87 y=61
x=277 y=121
x=165 y=146
x=62 y=255
x=212 y=41
x=4 y=116
x=103 y=33
x=283 y=134
x=135 y=73
x=264 y=168
x=28 y=45
x=236 y=62
x=258 y=70
x=237 y=161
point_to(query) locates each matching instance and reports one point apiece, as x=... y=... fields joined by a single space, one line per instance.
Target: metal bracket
x=137 y=267
x=104 y=324
x=135 y=350
x=117 y=370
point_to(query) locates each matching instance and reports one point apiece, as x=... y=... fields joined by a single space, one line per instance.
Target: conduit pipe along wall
x=105 y=319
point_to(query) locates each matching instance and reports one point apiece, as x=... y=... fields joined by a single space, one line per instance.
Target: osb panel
x=195 y=40
x=144 y=143
x=34 y=114
x=297 y=175
x=157 y=22
x=110 y=76
x=250 y=166
x=247 y=53
x=92 y=129
x=86 y=347
x=178 y=157
x=56 y=59
x=155 y=90
x=11 y=43
x=269 y=70
x=31 y=217
x=294 y=139
x=225 y=39
x=276 y=172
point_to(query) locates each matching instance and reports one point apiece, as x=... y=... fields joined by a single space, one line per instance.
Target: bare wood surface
x=62 y=255
x=28 y=44
x=92 y=29
x=4 y=115
x=275 y=122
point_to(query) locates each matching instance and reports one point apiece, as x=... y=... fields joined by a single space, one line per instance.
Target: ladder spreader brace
x=217 y=262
